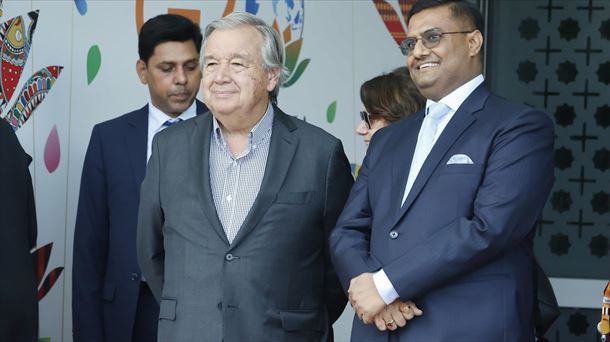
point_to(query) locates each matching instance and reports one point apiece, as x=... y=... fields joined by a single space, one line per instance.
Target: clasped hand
x=370 y=307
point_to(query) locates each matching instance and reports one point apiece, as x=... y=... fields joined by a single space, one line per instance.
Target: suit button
x=134 y=277
x=393 y=234
x=229 y=257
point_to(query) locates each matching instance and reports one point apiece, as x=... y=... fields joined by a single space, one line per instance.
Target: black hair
x=459 y=9
x=166 y=28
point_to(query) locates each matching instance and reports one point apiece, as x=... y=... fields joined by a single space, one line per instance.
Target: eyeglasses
x=366 y=117
x=430 y=39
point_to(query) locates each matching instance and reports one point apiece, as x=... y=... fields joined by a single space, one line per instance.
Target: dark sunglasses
x=430 y=39
x=366 y=117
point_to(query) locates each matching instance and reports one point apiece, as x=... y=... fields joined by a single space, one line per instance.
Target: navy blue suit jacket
x=461 y=245
x=106 y=276
x=18 y=233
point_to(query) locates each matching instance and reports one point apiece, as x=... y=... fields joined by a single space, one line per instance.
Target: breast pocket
x=458 y=184
x=461 y=168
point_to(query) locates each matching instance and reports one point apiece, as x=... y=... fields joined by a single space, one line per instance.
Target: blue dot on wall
x=81 y=6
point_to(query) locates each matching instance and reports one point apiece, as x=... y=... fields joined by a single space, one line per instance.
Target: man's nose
x=222 y=72
x=180 y=76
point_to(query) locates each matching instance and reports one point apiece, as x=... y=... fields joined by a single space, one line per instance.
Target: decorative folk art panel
x=15 y=42
x=555 y=55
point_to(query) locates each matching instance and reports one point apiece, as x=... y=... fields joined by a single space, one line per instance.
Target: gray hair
x=272 y=50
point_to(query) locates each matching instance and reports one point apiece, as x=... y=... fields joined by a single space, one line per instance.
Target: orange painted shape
x=287 y=34
x=139 y=15
x=193 y=15
x=275 y=26
x=229 y=8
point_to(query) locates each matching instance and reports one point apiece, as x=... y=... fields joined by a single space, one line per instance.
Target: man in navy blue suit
x=110 y=299
x=445 y=204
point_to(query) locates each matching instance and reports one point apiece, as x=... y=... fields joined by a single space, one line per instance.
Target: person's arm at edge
x=338 y=184
x=90 y=246
x=350 y=240
x=150 y=250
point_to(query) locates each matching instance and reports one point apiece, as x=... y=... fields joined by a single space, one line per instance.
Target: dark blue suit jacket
x=18 y=233
x=106 y=276
x=461 y=245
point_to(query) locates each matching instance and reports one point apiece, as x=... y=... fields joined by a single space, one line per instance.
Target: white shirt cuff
x=384 y=287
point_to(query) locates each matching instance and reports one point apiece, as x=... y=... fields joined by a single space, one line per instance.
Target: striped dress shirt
x=236 y=181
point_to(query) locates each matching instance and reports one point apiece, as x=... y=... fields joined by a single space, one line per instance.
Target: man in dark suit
x=18 y=295
x=237 y=205
x=110 y=299
x=445 y=204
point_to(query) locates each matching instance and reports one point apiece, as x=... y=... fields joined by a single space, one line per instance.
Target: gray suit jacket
x=275 y=281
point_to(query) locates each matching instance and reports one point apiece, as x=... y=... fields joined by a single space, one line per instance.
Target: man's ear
x=141 y=69
x=475 y=42
x=273 y=77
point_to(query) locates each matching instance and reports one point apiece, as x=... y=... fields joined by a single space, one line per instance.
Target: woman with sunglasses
x=387 y=98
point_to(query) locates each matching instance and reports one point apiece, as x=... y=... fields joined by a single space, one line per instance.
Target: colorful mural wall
x=67 y=65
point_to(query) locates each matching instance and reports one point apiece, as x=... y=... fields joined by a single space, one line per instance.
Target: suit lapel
x=461 y=120
x=282 y=148
x=401 y=160
x=199 y=147
x=136 y=141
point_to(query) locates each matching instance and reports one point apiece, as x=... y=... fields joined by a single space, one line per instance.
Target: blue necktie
x=436 y=112
x=170 y=122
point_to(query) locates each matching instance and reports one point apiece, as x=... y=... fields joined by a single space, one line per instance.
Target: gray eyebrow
x=233 y=55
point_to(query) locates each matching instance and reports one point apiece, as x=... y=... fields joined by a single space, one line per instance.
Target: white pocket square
x=459 y=159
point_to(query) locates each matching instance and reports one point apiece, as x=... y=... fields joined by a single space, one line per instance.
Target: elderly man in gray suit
x=237 y=205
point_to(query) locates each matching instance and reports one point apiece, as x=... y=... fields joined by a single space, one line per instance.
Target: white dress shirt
x=453 y=100
x=156 y=118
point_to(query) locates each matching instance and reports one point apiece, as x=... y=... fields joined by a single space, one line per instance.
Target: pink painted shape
x=52 y=151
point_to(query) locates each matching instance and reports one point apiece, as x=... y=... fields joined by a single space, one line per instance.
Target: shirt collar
x=455 y=99
x=156 y=117
x=257 y=133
